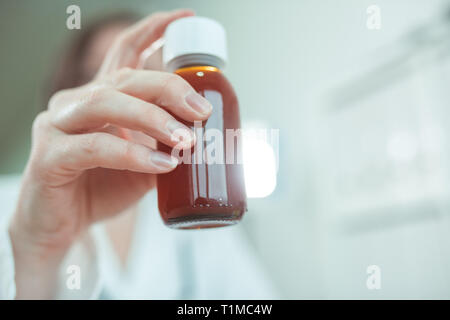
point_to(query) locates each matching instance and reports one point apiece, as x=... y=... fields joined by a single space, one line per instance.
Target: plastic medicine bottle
x=208 y=190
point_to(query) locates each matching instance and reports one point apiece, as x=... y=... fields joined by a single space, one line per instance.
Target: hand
x=85 y=164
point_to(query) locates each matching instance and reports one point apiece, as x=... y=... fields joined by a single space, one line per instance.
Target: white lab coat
x=162 y=263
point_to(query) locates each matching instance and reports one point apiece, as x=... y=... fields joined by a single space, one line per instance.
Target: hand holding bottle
x=83 y=166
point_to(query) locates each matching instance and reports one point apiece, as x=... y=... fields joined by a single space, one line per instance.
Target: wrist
x=38 y=245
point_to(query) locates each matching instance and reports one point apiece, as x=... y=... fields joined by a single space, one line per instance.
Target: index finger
x=132 y=41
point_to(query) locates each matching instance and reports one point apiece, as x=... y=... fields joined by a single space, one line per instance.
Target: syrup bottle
x=207 y=191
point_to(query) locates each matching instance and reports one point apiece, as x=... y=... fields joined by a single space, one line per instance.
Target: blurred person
x=87 y=201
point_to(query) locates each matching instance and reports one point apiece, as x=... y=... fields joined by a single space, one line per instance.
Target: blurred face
x=98 y=47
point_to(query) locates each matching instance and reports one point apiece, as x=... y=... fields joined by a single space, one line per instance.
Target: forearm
x=36 y=267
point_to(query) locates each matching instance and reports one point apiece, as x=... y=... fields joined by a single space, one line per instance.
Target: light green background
x=323 y=226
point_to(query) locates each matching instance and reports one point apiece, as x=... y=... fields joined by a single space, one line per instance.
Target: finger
x=132 y=41
x=167 y=90
x=98 y=149
x=141 y=138
x=97 y=107
x=151 y=58
x=148 y=30
x=130 y=135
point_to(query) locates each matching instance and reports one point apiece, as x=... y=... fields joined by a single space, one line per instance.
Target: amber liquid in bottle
x=205 y=194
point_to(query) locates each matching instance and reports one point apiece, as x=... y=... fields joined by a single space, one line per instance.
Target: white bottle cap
x=194 y=41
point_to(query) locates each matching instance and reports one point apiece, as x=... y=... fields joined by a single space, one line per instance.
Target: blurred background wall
x=364 y=143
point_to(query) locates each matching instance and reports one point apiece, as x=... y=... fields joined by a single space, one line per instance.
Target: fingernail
x=180 y=133
x=198 y=103
x=163 y=160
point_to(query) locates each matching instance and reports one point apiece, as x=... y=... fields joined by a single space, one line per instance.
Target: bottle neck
x=189 y=60
x=200 y=70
